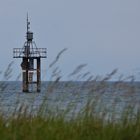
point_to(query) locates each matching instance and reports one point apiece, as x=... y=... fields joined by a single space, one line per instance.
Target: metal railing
x=32 y=52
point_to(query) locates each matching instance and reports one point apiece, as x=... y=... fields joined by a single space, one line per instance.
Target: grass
x=88 y=128
x=87 y=124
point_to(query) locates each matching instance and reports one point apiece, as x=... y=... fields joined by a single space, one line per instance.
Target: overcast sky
x=105 y=34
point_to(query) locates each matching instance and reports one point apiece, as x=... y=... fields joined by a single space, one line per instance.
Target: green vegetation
x=87 y=128
x=91 y=122
x=56 y=125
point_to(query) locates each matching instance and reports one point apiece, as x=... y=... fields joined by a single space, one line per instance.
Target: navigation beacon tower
x=31 y=62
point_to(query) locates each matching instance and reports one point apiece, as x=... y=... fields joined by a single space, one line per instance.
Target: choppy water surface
x=109 y=97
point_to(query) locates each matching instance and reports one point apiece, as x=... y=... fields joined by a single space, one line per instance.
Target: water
x=71 y=97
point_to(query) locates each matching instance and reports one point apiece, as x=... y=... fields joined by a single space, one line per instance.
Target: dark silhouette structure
x=31 y=62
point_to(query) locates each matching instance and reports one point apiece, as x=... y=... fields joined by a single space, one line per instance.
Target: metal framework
x=30 y=55
x=34 y=52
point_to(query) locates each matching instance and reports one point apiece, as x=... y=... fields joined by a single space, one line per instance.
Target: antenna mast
x=28 y=23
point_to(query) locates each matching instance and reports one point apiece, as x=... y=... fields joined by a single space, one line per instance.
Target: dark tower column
x=27 y=83
x=38 y=75
x=24 y=66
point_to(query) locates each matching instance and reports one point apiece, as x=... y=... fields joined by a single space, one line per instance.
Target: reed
x=58 y=128
x=91 y=122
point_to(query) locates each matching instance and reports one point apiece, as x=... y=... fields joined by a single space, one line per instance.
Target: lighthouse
x=31 y=62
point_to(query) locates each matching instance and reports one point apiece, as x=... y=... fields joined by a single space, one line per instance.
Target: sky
x=104 y=34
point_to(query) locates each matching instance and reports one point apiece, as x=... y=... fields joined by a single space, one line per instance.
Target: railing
x=32 y=52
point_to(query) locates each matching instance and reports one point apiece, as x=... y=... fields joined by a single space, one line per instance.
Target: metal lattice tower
x=31 y=61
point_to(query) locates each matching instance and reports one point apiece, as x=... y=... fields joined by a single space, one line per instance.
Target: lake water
x=104 y=97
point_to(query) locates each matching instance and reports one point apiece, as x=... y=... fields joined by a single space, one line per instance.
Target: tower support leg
x=38 y=75
x=25 y=75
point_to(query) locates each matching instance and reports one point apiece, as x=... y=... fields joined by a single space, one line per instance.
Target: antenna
x=28 y=23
